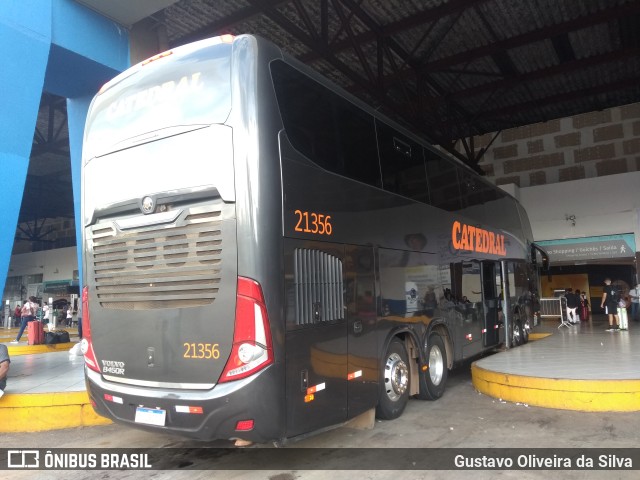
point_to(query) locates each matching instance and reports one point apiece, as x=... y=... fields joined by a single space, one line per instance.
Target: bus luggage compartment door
x=316 y=336
x=331 y=339
x=492 y=297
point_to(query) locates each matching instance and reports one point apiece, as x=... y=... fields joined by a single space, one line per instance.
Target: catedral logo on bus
x=156 y=94
x=475 y=239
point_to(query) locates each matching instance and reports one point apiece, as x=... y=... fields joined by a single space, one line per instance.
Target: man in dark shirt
x=608 y=302
x=573 y=303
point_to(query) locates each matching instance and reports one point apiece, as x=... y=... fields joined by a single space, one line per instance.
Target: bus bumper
x=203 y=415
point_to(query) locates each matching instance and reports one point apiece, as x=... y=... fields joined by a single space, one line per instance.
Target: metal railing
x=555 y=307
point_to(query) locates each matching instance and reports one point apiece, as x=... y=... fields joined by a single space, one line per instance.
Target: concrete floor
x=462 y=419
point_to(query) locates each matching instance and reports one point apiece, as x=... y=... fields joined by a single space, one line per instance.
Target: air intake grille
x=318 y=286
x=156 y=267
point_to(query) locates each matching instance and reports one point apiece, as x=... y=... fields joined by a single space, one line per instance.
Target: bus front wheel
x=434 y=378
x=394 y=391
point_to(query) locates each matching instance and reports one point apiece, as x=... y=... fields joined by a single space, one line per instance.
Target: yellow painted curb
x=564 y=394
x=539 y=336
x=38 y=412
x=17 y=350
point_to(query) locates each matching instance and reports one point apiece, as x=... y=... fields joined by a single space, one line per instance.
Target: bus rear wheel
x=516 y=335
x=394 y=390
x=526 y=327
x=434 y=379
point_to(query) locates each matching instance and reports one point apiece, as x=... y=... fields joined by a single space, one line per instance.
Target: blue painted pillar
x=77 y=109
x=95 y=50
x=24 y=48
x=60 y=47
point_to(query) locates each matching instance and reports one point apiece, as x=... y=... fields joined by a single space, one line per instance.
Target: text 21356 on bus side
x=311 y=222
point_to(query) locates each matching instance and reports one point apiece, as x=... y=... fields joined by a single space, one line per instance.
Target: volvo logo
x=148 y=205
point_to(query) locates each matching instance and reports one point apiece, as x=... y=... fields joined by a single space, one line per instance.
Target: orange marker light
x=157 y=57
x=309 y=398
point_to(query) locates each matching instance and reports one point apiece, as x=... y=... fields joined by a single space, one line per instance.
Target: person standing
x=634 y=293
x=583 y=313
x=4 y=367
x=572 y=305
x=27 y=315
x=17 y=314
x=609 y=303
x=47 y=313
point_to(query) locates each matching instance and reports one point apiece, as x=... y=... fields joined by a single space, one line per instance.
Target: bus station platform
x=45 y=388
x=582 y=367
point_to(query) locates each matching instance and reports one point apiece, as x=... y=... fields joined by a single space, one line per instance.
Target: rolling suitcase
x=584 y=312
x=624 y=321
x=35 y=333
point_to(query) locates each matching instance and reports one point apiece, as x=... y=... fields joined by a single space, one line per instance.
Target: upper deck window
x=187 y=88
x=323 y=126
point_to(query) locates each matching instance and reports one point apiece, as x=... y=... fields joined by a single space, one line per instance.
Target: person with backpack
x=28 y=314
x=609 y=302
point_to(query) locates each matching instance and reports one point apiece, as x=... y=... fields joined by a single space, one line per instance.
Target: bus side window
x=327 y=129
x=402 y=164
x=444 y=185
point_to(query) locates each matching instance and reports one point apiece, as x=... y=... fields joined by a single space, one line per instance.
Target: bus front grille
x=174 y=266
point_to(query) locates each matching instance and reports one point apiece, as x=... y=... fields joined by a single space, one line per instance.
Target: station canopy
x=447 y=69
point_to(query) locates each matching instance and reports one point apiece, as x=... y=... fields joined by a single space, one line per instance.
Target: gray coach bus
x=266 y=256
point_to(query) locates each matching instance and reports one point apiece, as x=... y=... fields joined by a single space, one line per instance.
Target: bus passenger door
x=315 y=337
x=360 y=302
x=491 y=292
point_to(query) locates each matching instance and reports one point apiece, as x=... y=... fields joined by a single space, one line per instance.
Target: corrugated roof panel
x=456 y=34
x=594 y=40
x=389 y=11
x=533 y=57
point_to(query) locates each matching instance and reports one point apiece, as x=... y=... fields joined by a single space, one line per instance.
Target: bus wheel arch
x=438 y=361
x=395 y=379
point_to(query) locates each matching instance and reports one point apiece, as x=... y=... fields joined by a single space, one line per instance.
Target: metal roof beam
x=218 y=27
x=534 y=36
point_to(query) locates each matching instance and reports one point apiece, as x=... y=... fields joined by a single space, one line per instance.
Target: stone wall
x=589 y=145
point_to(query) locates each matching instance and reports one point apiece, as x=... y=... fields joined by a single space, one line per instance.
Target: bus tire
x=433 y=380
x=394 y=388
x=516 y=333
x=525 y=331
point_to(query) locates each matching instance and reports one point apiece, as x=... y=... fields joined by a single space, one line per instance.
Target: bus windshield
x=194 y=91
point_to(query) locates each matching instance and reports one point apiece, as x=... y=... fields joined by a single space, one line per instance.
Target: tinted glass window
x=475 y=191
x=189 y=87
x=442 y=176
x=326 y=128
x=402 y=164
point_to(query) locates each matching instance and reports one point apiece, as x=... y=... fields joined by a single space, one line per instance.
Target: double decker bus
x=266 y=256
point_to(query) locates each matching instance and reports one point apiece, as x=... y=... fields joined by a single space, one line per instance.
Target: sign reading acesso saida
x=476 y=239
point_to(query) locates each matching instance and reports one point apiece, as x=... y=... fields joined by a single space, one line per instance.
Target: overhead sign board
x=590 y=248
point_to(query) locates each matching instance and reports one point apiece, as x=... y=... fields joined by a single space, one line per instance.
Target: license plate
x=151 y=416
